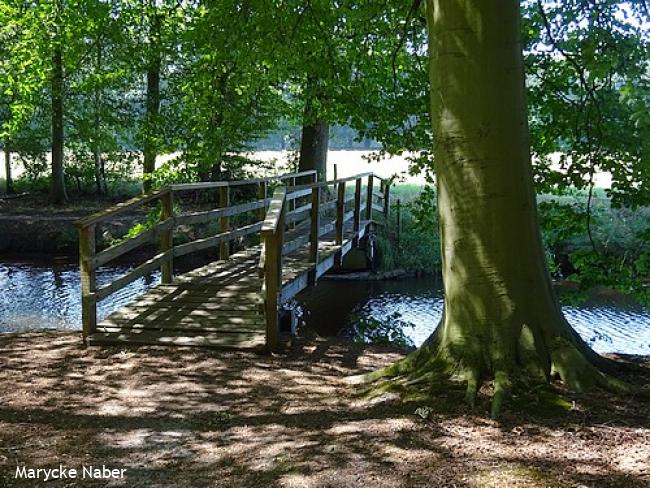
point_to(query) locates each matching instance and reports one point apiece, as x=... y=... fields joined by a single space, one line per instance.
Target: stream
x=44 y=294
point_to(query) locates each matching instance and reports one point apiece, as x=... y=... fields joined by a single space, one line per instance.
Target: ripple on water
x=45 y=295
x=36 y=296
x=606 y=329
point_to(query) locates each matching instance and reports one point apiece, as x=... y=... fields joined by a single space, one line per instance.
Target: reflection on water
x=35 y=295
x=331 y=307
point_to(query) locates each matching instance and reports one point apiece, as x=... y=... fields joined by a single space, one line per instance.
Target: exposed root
x=472 y=387
x=502 y=388
x=428 y=369
x=580 y=375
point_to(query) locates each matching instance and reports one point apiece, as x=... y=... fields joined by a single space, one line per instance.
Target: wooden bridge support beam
x=261 y=195
x=292 y=202
x=369 y=199
x=167 y=237
x=386 y=200
x=273 y=236
x=88 y=280
x=356 y=222
x=224 y=222
x=313 y=232
x=340 y=212
x=340 y=224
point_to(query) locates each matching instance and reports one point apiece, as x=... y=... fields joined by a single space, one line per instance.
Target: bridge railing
x=162 y=234
x=289 y=226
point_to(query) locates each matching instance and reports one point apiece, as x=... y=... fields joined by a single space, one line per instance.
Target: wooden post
x=88 y=281
x=261 y=195
x=224 y=222
x=399 y=225
x=167 y=237
x=340 y=212
x=369 y=199
x=273 y=242
x=386 y=200
x=292 y=202
x=313 y=232
x=336 y=176
x=356 y=225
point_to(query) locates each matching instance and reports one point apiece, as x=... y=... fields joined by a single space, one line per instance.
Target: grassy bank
x=614 y=251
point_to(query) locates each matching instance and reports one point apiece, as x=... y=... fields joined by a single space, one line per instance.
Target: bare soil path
x=189 y=417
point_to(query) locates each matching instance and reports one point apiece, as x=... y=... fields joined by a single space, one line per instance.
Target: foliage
x=588 y=93
x=416 y=247
x=383 y=331
x=625 y=273
x=560 y=222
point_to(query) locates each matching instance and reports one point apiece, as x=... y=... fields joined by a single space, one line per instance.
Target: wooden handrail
x=253 y=181
x=119 y=208
x=271 y=264
x=274 y=212
x=282 y=210
x=142 y=199
x=337 y=181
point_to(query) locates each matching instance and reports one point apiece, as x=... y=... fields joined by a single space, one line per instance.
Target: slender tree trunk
x=501 y=318
x=153 y=107
x=100 y=182
x=153 y=101
x=57 y=184
x=9 y=182
x=314 y=143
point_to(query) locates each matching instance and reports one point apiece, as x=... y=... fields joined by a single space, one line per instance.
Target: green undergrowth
x=615 y=257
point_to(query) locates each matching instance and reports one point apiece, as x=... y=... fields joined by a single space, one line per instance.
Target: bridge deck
x=218 y=305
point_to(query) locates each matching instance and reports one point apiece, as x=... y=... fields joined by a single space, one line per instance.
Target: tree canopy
x=230 y=72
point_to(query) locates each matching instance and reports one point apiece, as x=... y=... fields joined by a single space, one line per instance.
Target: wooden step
x=186 y=323
x=254 y=341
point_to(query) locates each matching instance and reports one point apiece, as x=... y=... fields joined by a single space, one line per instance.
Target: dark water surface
x=45 y=293
x=37 y=294
x=331 y=307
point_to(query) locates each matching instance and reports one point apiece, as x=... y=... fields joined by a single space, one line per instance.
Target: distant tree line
x=106 y=86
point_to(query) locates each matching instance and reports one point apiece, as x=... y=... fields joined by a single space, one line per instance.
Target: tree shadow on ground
x=197 y=417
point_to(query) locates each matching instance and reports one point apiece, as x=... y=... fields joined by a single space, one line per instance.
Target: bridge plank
x=219 y=304
x=181 y=338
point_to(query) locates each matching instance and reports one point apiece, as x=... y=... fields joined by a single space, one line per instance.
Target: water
x=333 y=306
x=37 y=294
x=41 y=294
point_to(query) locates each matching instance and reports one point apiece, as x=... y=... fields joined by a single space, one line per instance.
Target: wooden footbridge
x=281 y=235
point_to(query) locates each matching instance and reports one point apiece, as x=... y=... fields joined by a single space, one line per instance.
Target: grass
x=620 y=261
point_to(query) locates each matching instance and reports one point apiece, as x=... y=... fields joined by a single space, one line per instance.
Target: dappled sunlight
x=196 y=417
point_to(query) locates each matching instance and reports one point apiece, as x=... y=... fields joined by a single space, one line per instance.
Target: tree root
x=424 y=370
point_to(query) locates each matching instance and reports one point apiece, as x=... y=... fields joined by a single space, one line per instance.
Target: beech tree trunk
x=57 y=184
x=314 y=143
x=501 y=318
x=100 y=177
x=9 y=182
x=153 y=101
x=153 y=107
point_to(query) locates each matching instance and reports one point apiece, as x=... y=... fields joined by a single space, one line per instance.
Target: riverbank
x=196 y=417
x=30 y=225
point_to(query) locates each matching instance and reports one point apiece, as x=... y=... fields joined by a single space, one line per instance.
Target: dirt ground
x=193 y=417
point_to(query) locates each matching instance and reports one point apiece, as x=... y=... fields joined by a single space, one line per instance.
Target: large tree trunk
x=501 y=318
x=153 y=101
x=314 y=144
x=57 y=184
x=9 y=182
